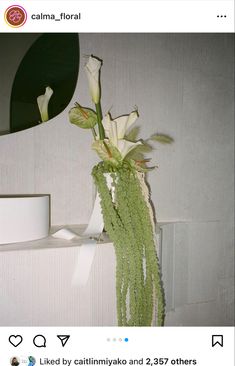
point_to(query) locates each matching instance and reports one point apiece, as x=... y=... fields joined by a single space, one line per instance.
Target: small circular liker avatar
x=14 y=361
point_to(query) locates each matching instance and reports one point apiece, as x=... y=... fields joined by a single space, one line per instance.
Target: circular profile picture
x=14 y=361
x=31 y=360
x=15 y=16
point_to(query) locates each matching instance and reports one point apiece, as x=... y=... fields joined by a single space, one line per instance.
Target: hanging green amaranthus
x=128 y=223
x=126 y=209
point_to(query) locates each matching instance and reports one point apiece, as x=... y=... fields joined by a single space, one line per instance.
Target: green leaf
x=134 y=155
x=82 y=117
x=133 y=134
x=138 y=152
x=163 y=139
x=52 y=60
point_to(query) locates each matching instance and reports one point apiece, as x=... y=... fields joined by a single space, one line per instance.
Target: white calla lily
x=92 y=69
x=116 y=129
x=43 y=101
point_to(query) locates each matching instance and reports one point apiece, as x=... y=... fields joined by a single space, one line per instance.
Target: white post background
x=183 y=86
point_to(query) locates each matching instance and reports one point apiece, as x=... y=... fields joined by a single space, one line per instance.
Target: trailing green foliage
x=128 y=222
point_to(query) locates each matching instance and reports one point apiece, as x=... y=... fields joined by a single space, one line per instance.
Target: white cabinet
x=36 y=280
x=36 y=285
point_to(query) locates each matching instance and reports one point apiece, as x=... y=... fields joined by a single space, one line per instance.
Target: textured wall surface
x=183 y=86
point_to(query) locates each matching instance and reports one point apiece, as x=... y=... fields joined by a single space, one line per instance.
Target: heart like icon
x=16 y=340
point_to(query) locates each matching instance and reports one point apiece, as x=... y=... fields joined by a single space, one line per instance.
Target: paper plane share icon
x=64 y=339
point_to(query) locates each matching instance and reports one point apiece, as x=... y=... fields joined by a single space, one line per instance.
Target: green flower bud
x=82 y=117
x=107 y=151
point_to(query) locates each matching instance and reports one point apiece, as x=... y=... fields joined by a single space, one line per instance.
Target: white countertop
x=51 y=243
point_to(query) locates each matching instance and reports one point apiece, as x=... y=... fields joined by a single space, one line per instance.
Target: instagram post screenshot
x=117 y=182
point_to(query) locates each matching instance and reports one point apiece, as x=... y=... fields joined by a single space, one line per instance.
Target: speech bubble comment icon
x=39 y=341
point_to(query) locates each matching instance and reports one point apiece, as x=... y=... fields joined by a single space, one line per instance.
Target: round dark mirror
x=30 y=63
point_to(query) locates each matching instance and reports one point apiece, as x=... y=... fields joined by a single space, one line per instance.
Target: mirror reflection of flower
x=43 y=101
x=32 y=361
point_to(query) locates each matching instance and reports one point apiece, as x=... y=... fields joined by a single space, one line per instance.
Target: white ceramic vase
x=24 y=218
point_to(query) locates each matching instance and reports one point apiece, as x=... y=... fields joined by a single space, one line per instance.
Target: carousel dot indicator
x=126 y=339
